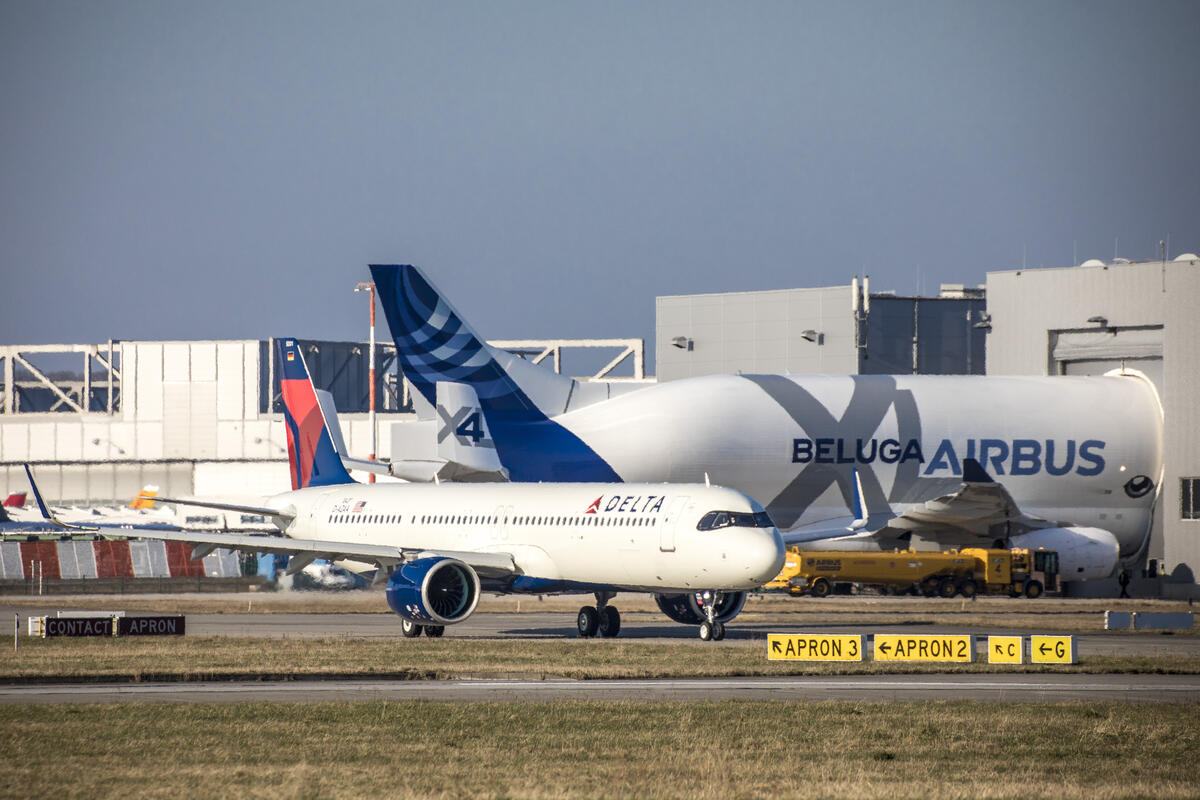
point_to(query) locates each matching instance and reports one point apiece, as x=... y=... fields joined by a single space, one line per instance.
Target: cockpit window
x=738 y=519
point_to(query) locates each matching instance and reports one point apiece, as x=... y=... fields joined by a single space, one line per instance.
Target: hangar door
x=1095 y=352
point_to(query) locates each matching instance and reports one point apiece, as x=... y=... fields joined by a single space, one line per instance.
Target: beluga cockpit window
x=734 y=519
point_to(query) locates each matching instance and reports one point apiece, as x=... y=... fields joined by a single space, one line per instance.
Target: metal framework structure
x=26 y=388
x=20 y=379
x=538 y=350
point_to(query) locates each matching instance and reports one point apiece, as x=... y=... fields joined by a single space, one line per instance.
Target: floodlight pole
x=370 y=288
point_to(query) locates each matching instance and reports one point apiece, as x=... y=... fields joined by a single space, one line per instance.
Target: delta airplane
x=701 y=546
x=1071 y=464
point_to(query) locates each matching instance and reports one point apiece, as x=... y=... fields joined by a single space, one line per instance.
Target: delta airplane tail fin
x=312 y=452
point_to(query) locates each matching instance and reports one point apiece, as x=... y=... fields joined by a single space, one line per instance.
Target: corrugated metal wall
x=107 y=559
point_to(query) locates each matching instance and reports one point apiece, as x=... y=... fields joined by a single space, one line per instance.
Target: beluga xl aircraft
x=1072 y=464
x=439 y=546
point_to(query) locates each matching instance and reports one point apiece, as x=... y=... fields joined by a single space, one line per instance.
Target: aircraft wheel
x=706 y=631
x=968 y=588
x=610 y=622
x=410 y=629
x=946 y=587
x=718 y=631
x=588 y=622
x=435 y=631
x=820 y=588
x=1033 y=589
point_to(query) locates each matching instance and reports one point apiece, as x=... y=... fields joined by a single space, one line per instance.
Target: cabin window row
x=459 y=519
x=367 y=519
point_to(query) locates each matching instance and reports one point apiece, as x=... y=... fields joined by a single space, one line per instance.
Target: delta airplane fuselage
x=575 y=537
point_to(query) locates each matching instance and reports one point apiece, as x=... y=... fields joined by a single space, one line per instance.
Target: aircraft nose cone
x=767 y=557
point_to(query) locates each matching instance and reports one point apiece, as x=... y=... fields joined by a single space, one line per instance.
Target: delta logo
x=634 y=504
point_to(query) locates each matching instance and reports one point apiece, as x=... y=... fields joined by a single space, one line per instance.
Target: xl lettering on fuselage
x=999 y=456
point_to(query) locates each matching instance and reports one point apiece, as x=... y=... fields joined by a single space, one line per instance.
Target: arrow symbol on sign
x=775 y=646
x=1042 y=648
x=999 y=649
x=883 y=648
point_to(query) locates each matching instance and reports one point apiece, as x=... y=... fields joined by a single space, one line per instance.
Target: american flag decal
x=358 y=507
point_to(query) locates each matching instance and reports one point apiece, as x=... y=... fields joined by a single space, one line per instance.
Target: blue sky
x=178 y=170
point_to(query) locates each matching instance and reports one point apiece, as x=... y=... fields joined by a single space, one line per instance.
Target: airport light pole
x=370 y=288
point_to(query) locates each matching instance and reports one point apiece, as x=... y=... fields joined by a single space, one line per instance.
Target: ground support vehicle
x=934 y=574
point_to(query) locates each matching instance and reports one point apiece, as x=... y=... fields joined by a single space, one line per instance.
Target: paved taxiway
x=641 y=626
x=1045 y=687
x=989 y=688
x=635 y=625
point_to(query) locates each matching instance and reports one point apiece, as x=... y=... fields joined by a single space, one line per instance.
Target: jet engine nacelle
x=434 y=591
x=685 y=608
x=1083 y=553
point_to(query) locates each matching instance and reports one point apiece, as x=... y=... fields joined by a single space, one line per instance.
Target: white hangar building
x=1099 y=316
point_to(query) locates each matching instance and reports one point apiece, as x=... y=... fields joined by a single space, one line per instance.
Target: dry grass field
x=576 y=749
x=1091 y=751
x=226 y=658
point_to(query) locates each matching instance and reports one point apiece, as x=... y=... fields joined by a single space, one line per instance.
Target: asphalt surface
x=982 y=688
x=1045 y=687
x=640 y=626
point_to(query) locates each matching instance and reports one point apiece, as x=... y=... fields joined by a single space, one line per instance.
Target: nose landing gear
x=711 y=629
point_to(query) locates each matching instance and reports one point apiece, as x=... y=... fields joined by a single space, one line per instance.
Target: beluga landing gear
x=711 y=629
x=603 y=618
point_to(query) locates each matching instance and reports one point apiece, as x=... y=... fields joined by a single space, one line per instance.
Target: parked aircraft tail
x=312 y=454
x=15 y=500
x=145 y=498
x=435 y=345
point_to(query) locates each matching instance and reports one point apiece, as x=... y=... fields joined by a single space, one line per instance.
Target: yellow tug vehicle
x=966 y=572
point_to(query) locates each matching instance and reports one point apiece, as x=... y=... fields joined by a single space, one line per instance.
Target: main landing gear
x=603 y=618
x=711 y=629
x=412 y=630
